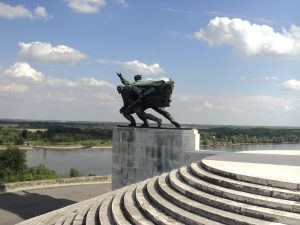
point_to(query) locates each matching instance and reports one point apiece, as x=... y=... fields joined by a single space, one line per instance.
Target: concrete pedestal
x=140 y=153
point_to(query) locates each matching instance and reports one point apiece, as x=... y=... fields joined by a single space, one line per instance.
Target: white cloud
x=157 y=78
x=243 y=78
x=40 y=11
x=106 y=98
x=136 y=66
x=122 y=2
x=80 y=83
x=143 y=68
x=13 y=88
x=24 y=70
x=20 y=11
x=85 y=98
x=175 y=10
x=13 y=12
x=217 y=106
x=45 y=52
x=238 y=110
x=56 y=82
x=291 y=85
x=92 y=82
x=62 y=97
x=86 y=6
x=251 y=39
x=208 y=105
x=287 y=108
x=271 y=78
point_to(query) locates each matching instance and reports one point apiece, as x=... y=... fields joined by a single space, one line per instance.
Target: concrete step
x=206 y=206
x=92 y=217
x=105 y=215
x=117 y=209
x=212 y=167
x=150 y=209
x=226 y=182
x=240 y=196
x=51 y=217
x=232 y=206
x=132 y=210
x=80 y=218
x=176 y=211
x=69 y=218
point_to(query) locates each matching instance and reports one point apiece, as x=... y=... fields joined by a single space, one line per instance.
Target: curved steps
x=235 y=195
x=191 y=194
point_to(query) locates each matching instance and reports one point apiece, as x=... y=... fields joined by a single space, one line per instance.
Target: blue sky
x=233 y=62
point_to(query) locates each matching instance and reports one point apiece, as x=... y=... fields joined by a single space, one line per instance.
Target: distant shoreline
x=55 y=147
x=70 y=147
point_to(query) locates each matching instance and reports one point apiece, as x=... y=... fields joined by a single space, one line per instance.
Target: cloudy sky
x=233 y=62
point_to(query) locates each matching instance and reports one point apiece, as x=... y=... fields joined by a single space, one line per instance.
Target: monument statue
x=140 y=95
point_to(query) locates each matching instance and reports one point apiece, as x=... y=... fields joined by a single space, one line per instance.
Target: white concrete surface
x=274 y=168
x=196 y=194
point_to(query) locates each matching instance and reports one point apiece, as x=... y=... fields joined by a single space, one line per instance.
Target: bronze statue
x=142 y=94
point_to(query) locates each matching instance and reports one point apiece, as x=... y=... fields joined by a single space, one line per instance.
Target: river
x=85 y=160
x=98 y=161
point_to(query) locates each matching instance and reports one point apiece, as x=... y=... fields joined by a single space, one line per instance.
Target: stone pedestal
x=140 y=153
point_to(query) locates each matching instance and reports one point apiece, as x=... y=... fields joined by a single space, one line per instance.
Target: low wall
x=8 y=187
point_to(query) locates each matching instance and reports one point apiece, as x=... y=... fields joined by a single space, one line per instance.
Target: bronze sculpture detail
x=140 y=95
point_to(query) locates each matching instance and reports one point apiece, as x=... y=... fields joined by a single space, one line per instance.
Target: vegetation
x=87 y=134
x=13 y=167
x=225 y=135
x=55 y=135
x=74 y=173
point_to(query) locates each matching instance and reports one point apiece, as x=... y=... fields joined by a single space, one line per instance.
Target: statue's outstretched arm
x=123 y=80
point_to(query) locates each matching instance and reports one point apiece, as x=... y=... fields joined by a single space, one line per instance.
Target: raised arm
x=123 y=80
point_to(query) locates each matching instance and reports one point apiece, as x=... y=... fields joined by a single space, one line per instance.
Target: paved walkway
x=21 y=205
x=279 y=168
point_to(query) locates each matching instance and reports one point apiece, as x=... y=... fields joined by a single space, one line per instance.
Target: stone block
x=139 y=153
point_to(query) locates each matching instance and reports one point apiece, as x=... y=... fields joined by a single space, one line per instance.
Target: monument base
x=140 y=153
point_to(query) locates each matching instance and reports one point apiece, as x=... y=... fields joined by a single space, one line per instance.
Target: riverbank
x=25 y=185
x=56 y=147
x=241 y=144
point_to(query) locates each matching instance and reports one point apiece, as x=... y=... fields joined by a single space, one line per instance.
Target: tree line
x=225 y=135
x=55 y=135
x=13 y=167
x=61 y=135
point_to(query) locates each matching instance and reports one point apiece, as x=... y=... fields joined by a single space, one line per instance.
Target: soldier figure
x=137 y=105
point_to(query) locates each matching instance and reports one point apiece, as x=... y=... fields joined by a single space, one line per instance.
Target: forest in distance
x=17 y=135
x=87 y=134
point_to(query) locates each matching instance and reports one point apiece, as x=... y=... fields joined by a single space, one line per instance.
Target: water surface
x=86 y=160
x=99 y=161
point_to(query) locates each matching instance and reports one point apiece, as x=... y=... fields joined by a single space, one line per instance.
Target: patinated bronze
x=140 y=95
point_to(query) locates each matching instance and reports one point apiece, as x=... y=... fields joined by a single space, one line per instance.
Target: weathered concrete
x=21 y=205
x=140 y=153
x=276 y=170
x=36 y=184
x=189 y=195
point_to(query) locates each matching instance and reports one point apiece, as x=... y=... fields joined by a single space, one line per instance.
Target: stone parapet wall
x=8 y=187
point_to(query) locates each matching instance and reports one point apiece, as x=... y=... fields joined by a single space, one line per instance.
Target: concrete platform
x=280 y=168
x=231 y=188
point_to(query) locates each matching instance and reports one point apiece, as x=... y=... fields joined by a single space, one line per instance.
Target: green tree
x=74 y=172
x=24 y=134
x=19 y=141
x=13 y=159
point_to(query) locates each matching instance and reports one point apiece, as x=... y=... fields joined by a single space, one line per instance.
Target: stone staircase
x=193 y=194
